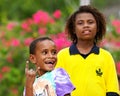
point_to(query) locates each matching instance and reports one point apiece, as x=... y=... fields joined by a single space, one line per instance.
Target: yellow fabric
x=93 y=76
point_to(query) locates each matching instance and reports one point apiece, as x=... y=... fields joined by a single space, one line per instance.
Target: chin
x=50 y=69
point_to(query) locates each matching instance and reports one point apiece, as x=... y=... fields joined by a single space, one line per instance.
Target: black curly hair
x=99 y=17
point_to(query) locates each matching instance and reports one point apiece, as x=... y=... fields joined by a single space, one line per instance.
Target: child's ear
x=32 y=58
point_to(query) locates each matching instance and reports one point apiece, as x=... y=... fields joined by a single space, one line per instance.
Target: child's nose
x=86 y=24
x=50 y=55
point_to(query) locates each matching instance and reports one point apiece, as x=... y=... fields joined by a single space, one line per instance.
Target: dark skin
x=85 y=30
x=30 y=75
x=45 y=52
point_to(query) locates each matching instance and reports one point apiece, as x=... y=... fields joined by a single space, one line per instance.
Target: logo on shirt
x=99 y=72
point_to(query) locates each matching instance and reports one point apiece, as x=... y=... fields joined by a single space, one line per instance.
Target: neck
x=84 y=47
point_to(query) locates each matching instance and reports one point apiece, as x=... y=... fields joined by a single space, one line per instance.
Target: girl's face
x=45 y=56
x=85 y=26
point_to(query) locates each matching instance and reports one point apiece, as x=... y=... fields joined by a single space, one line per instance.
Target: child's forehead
x=45 y=43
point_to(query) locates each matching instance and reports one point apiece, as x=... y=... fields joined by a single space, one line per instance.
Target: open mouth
x=50 y=62
x=86 y=31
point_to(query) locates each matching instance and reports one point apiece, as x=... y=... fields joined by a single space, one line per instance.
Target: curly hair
x=99 y=17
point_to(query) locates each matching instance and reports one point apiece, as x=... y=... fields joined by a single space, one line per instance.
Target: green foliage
x=14 y=49
x=101 y=4
x=12 y=81
x=116 y=55
x=13 y=57
x=21 y=9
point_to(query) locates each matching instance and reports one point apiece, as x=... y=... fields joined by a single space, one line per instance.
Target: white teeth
x=86 y=32
x=51 y=62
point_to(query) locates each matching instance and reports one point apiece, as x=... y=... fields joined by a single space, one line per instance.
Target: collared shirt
x=73 y=50
x=95 y=72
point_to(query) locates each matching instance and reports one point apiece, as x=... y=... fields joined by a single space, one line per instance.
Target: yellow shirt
x=94 y=75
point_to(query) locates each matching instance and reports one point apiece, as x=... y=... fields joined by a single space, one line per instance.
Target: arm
x=111 y=77
x=28 y=90
x=30 y=77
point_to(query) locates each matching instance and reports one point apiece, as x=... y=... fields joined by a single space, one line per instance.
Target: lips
x=50 y=62
x=86 y=32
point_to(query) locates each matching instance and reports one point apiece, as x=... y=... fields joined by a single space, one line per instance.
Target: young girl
x=91 y=68
x=45 y=81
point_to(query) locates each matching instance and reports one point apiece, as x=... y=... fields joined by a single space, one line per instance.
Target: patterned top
x=54 y=83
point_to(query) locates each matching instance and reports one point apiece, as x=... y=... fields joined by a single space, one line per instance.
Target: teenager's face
x=45 y=56
x=85 y=26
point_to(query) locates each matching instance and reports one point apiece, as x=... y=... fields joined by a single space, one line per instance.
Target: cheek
x=78 y=28
x=95 y=29
x=78 y=31
x=39 y=59
x=56 y=60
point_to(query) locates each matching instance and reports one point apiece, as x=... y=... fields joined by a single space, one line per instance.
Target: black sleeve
x=112 y=94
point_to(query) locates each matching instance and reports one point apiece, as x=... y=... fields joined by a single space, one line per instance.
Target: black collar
x=73 y=49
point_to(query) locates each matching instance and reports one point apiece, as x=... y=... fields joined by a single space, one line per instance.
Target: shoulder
x=104 y=51
x=64 y=51
x=62 y=81
x=60 y=72
x=106 y=54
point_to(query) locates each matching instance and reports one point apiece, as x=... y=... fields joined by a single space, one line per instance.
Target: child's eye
x=80 y=23
x=54 y=52
x=91 y=22
x=44 y=52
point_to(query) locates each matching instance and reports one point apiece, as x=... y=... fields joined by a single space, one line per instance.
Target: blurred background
x=21 y=21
